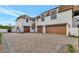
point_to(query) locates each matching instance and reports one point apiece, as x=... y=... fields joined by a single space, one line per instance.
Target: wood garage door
x=40 y=29
x=26 y=28
x=56 y=29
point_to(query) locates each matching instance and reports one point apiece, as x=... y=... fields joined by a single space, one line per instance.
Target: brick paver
x=35 y=42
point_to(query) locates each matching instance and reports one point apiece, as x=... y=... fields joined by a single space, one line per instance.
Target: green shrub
x=69 y=49
x=5 y=27
x=0 y=37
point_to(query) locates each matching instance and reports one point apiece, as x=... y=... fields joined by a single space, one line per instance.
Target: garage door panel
x=26 y=28
x=40 y=29
x=56 y=29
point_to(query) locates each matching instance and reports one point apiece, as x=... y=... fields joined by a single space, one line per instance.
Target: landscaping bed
x=70 y=49
x=74 y=36
x=0 y=37
x=0 y=40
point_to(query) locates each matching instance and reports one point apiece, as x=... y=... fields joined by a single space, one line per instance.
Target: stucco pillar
x=67 y=29
x=35 y=28
x=44 y=29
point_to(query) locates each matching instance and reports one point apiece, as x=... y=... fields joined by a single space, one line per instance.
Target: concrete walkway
x=35 y=42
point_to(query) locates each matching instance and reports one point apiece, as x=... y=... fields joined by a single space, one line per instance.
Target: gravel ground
x=35 y=42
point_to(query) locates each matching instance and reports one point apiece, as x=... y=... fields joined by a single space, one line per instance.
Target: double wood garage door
x=56 y=29
x=53 y=29
x=40 y=29
x=26 y=28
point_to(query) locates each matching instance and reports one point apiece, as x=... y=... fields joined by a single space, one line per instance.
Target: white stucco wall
x=73 y=31
x=35 y=28
x=31 y=30
x=62 y=17
x=21 y=23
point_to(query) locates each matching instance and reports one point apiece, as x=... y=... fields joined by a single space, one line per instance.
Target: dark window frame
x=37 y=20
x=76 y=13
x=27 y=20
x=77 y=19
x=42 y=18
x=53 y=14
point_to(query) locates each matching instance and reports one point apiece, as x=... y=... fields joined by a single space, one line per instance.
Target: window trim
x=54 y=15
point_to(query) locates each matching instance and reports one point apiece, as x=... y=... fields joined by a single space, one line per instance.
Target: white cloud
x=15 y=11
x=10 y=11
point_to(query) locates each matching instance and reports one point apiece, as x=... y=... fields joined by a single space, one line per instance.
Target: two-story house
x=55 y=21
x=58 y=20
x=24 y=23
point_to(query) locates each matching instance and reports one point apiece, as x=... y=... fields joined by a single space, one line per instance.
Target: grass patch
x=0 y=37
x=69 y=49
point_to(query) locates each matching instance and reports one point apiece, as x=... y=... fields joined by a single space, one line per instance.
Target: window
x=26 y=19
x=54 y=14
x=76 y=13
x=37 y=20
x=33 y=20
x=69 y=25
x=42 y=18
x=77 y=19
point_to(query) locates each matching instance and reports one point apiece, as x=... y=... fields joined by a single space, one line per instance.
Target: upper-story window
x=77 y=19
x=76 y=13
x=37 y=20
x=54 y=14
x=42 y=18
x=26 y=19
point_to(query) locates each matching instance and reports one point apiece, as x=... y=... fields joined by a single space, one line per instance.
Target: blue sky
x=9 y=13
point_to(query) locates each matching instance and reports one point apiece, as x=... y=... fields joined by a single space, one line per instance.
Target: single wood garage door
x=40 y=29
x=26 y=28
x=56 y=29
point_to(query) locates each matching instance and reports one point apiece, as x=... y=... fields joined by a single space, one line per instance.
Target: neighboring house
x=24 y=24
x=58 y=20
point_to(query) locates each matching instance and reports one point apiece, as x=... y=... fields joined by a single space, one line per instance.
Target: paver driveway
x=35 y=42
